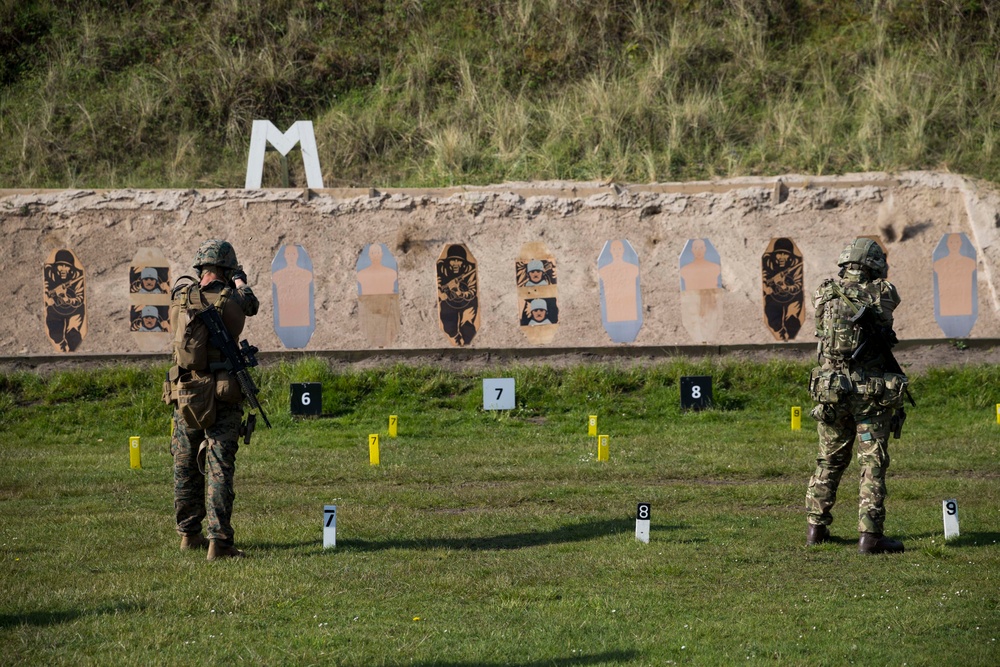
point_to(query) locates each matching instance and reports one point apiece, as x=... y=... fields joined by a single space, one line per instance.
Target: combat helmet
x=866 y=253
x=218 y=253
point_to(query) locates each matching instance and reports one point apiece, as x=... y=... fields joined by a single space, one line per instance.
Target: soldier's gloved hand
x=890 y=336
x=239 y=274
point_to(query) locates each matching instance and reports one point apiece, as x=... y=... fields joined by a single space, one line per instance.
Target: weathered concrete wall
x=910 y=212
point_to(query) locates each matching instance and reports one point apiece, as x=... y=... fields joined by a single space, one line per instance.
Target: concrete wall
x=910 y=212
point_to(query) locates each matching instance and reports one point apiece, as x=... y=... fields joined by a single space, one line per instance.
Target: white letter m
x=301 y=132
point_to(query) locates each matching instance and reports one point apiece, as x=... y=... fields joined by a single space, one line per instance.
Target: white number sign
x=329 y=526
x=498 y=394
x=642 y=522
x=950 y=509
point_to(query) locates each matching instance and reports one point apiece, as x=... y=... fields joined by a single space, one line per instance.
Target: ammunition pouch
x=196 y=398
x=829 y=386
x=895 y=390
x=169 y=395
x=872 y=388
x=227 y=387
x=824 y=412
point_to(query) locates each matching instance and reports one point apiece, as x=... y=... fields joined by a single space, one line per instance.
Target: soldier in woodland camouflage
x=208 y=404
x=855 y=395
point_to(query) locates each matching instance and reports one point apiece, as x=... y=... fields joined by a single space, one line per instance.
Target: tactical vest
x=191 y=348
x=836 y=303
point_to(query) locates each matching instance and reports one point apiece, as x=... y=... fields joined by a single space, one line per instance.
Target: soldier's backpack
x=836 y=303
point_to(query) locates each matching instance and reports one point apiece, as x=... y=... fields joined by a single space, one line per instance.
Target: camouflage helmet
x=868 y=254
x=218 y=253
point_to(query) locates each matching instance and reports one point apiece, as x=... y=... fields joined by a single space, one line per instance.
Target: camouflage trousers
x=211 y=495
x=859 y=420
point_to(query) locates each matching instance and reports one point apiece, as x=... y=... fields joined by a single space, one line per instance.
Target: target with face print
x=149 y=300
x=537 y=293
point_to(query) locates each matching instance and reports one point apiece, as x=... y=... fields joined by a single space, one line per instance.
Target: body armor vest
x=837 y=303
x=191 y=348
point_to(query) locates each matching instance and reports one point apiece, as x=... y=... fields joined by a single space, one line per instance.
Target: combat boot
x=193 y=541
x=817 y=534
x=877 y=543
x=217 y=551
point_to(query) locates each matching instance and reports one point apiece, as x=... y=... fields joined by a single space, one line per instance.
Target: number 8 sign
x=642 y=522
x=696 y=392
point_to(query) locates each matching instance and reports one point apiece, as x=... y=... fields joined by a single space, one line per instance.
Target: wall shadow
x=974 y=540
x=42 y=619
x=604 y=658
x=577 y=532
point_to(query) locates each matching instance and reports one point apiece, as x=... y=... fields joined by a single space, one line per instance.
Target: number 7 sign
x=498 y=394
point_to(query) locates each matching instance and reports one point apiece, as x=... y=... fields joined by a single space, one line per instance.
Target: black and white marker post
x=950 y=509
x=329 y=526
x=642 y=523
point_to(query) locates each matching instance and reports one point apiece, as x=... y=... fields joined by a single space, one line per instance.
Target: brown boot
x=877 y=543
x=217 y=552
x=193 y=541
x=817 y=534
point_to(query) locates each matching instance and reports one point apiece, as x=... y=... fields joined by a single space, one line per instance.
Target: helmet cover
x=217 y=253
x=868 y=254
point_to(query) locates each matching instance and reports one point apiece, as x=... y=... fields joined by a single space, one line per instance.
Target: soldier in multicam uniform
x=207 y=448
x=855 y=397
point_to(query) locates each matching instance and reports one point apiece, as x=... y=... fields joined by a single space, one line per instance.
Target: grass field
x=489 y=538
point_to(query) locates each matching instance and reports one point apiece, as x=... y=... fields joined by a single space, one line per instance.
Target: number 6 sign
x=307 y=398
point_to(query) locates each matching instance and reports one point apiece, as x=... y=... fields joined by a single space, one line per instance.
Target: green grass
x=151 y=93
x=494 y=538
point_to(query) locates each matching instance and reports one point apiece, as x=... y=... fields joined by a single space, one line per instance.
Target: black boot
x=817 y=534
x=877 y=543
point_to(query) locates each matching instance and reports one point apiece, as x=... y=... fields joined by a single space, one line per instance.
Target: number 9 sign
x=950 y=509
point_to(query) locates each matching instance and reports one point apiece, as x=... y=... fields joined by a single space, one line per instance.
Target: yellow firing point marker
x=373 y=448
x=796 y=418
x=134 y=453
x=602 y=448
x=592 y=425
x=998 y=413
x=393 y=422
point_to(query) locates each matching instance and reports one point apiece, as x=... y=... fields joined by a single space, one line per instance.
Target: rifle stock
x=237 y=359
x=875 y=334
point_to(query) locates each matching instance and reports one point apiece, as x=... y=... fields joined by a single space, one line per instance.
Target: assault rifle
x=882 y=339
x=236 y=360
